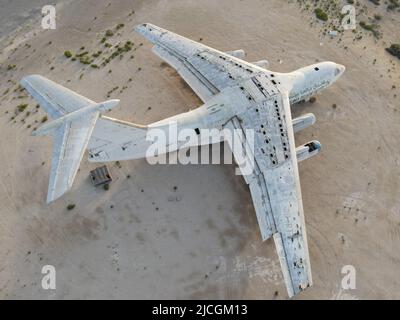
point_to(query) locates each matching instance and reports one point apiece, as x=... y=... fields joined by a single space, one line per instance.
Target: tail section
x=114 y=140
x=74 y=120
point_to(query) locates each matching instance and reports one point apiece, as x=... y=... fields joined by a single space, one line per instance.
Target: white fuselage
x=222 y=107
x=214 y=114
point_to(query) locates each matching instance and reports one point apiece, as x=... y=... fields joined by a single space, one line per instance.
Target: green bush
x=22 y=107
x=68 y=54
x=82 y=54
x=97 y=54
x=321 y=14
x=376 y=2
x=370 y=27
x=85 y=60
x=71 y=206
x=394 y=50
x=394 y=4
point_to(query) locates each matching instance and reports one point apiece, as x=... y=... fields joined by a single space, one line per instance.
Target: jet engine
x=303 y=122
x=262 y=63
x=240 y=54
x=308 y=150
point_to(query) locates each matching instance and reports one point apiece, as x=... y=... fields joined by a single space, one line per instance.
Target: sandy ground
x=143 y=239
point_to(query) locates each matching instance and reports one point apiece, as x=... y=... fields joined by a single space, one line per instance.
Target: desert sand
x=144 y=238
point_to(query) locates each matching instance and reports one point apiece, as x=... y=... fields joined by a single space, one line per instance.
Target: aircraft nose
x=339 y=69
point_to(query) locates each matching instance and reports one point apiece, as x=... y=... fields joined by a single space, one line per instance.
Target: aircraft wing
x=206 y=70
x=274 y=183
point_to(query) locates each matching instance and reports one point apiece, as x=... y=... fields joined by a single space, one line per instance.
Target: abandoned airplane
x=237 y=95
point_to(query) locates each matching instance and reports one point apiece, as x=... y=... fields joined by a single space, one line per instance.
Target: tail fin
x=75 y=118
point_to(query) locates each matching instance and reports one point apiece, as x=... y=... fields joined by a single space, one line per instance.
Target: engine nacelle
x=308 y=150
x=262 y=64
x=240 y=54
x=303 y=122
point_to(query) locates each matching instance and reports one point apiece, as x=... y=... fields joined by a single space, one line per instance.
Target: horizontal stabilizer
x=55 y=99
x=75 y=118
x=76 y=115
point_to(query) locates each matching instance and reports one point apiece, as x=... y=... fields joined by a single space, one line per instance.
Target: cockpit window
x=316 y=69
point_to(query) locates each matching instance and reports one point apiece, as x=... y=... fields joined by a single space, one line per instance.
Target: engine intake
x=240 y=54
x=262 y=63
x=308 y=150
x=303 y=122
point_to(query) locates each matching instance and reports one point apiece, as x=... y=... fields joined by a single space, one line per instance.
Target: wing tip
x=25 y=80
x=146 y=27
x=53 y=194
x=140 y=27
x=50 y=197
